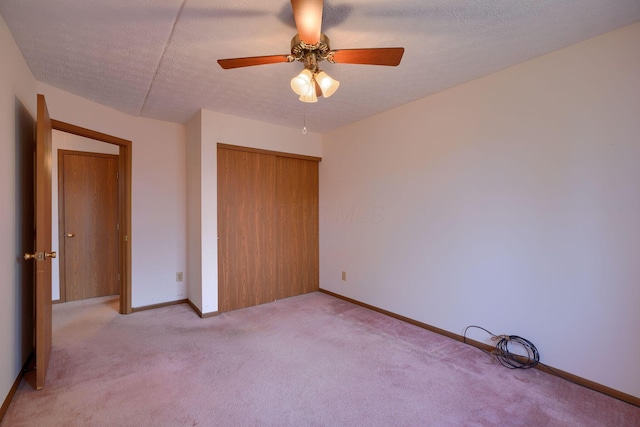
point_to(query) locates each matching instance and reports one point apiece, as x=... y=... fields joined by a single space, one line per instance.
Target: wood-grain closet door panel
x=89 y=224
x=246 y=228
x=297 y=243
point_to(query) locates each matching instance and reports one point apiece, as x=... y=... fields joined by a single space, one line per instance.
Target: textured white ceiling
x=157 y=58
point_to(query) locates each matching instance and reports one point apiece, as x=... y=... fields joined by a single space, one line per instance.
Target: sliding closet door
x=297 y=243
x=246 y=229
x=267 y=226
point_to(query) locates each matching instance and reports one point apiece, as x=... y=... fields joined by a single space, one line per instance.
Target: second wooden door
x=89 y=229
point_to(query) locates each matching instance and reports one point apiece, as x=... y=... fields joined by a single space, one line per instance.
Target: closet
x=267 y=226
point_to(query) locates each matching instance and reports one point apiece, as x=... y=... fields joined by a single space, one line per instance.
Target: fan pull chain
x=304 y=124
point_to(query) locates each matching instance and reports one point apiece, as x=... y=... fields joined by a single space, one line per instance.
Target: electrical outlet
x=344 y=276
x=179 y=276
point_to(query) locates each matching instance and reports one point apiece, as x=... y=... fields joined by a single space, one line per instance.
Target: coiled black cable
x=503 y=353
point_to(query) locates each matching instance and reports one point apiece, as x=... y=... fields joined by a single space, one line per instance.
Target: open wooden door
x=43 y=253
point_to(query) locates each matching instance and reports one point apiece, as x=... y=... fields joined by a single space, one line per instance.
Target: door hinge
x=118 y=277
x=117 y=226
x=117 y=175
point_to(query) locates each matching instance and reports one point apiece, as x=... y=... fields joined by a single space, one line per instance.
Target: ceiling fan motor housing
x=310 y=54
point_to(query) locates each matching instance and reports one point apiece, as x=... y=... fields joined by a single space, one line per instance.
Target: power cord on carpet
x=515 y=361
x=503 y=353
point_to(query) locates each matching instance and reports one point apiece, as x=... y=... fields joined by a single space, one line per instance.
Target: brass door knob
x=69 y=235
x=29 y=256
x=50 y=254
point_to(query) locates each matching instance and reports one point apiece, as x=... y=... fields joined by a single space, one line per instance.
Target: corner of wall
x=194 y=220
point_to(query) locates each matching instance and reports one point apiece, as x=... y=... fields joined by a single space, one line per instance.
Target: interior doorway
x=123 y=206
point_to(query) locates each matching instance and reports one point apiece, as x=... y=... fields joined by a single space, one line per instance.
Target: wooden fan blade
x=308 y=17
x=376 y=56
x=251 y=61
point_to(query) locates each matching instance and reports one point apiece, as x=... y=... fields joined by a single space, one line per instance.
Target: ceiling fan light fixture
x=311 y=95
x=302 y=84
x=328 y=85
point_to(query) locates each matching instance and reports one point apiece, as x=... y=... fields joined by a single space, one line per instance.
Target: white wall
x=158 y=236
x=194 y=211
x=67 y=141
x=205 y=131
x=510 y=202
x=16 y=82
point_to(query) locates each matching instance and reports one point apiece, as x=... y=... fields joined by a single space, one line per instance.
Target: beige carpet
x=311 y=360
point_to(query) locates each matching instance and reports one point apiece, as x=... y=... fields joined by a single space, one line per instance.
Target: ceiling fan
x=310 y=46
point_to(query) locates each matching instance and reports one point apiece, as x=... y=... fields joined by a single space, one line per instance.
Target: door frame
x=124 y=203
